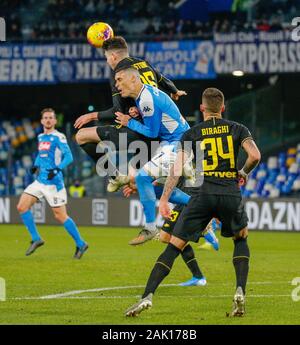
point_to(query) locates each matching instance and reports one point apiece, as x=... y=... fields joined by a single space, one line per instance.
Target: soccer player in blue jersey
x=53 y=156
x=161 y=119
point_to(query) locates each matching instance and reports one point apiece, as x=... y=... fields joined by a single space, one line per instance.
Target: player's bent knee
x=80 y=137
x=242 y=234
x=60 y=216
x=178 y=242
x=60 y=219
x=22 y=208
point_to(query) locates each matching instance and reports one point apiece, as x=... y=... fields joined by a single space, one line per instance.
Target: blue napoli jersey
x=53 y=152
x=161 y=116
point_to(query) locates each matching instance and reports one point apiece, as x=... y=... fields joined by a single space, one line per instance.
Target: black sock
x=188 y=256
x=161 y=268
x=90 y=149
x=241 y=256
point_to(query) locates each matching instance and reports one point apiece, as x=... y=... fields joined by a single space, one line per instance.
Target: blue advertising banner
x=260 y=52
x=182 y=59
x=51 y=64
x=59 y=63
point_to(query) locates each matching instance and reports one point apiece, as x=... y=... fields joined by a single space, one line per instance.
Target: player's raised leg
x=25 y=203
x=148 y=194
x=87 y=139
x=60 y=214
x=187 y=254
x=148 y=200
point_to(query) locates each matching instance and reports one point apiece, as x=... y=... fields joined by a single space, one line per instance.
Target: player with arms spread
x=219 y=195
x=53 y=156
x=117 y=56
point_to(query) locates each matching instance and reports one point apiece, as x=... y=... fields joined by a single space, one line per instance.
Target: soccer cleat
x=33 y=246
x=210 y=236
x=157 y=236
x=238 y=303
x=194 y=282
x=80 y=251
x=116 y=183
x=144 y=236
x=137 y=308
x=206 y=246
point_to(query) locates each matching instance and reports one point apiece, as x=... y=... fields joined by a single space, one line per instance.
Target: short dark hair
x=213 y=98
x=115 y=43
x=48 y=110
x=124 y=66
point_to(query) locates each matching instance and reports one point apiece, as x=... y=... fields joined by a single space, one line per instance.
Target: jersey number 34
x=216 y=150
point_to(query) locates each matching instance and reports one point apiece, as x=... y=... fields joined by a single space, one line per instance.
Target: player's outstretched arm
x=178 y=94
x=85 y=119
x=119 y=104
x=253 y=159
x=168 y=86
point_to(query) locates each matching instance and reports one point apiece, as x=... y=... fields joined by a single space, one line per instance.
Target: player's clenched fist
x=134 y=112
x=122 y=119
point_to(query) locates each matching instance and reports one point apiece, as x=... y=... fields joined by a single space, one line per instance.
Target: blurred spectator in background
x=143 y=20
x=77 y=190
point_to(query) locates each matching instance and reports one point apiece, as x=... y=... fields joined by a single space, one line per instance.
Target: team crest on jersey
x=44 y=146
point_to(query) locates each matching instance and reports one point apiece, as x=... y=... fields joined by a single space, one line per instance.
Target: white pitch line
x=68 y=294
x=77 y=292
x=138 y=296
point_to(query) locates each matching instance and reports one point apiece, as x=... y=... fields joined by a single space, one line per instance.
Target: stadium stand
x=279 y=176
x=154 y=19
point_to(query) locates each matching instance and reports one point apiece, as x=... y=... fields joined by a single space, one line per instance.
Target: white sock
x=150 y=226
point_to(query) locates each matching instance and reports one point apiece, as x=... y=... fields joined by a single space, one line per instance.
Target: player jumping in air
x=117 y=56
x=53 y=156
x=219 y=196
x=162 y=120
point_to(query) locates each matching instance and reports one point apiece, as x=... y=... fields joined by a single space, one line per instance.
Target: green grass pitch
x=112 y=264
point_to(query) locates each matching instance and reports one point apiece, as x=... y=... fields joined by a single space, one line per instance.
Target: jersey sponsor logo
x=221 y=174
x=44 y=146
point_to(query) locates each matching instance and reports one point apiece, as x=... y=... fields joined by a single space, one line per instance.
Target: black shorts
x=111 y=133
x=169 y=224
x=201 y=209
